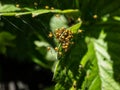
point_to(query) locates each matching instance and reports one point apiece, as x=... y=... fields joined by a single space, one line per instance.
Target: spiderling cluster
x=64 y=37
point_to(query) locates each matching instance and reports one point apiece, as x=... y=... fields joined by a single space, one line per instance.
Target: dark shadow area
x=23 y=74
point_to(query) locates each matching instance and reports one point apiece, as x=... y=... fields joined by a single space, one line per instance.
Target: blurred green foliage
x=5 y=41
x=91 y=63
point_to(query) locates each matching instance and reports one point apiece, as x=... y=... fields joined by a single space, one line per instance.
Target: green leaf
x=117 y=18
x=58 y=22
x=42 y=11
x=51 y=54
x=75 y=27
x=8 y=8
x=5 y=40
x=68 y=72
x=99 y=75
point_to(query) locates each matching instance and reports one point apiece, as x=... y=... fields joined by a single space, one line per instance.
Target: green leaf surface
x=58 y=22
x=51 y=54
x=8 y=8
x=68 y=71
x=99 y=75
x=117 y=18
x=75 y=27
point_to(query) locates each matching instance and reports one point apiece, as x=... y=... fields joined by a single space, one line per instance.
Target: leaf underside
x=99 y=76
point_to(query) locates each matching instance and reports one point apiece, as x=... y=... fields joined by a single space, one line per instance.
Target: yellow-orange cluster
x=64 y=37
